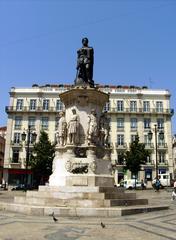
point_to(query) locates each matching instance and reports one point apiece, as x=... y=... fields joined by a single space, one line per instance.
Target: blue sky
x=134 y=43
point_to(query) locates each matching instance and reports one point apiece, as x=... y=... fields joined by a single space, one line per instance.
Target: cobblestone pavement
x=160 y=225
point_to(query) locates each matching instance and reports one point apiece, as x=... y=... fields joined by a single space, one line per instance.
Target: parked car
x=130 y=184
x=165 y=180
x=3 y=187
x=18 y=187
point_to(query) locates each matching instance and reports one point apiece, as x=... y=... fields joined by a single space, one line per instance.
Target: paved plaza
x=159 y=225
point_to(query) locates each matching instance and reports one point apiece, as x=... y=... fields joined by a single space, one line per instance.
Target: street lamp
x=31 y=137
x=161 y=136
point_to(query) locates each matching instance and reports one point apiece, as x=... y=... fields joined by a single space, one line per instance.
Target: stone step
x=78 y=211
x=120 y=195
x=128 y=202
x=81 y=189
x=79 y=195
x=67 y=195
x=79 y=202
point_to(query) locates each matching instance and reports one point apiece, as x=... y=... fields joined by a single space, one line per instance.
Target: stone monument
x=81 y=183
x=78 y=161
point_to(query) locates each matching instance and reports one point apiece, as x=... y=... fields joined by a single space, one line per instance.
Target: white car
x=130 y=184
x=164 y=180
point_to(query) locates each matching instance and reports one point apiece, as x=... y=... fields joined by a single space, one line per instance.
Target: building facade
x=132 y=110
x=3 y=131
x=2 y=151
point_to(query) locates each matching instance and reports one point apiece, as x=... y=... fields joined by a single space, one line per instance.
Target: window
x=59 y=105
x=17 y=137
x=120 y=123
x=147 y=140
x=133 y=106
x=161 y=157
x=133 y=123
x=120 y=106
x=149 y=159
x=46 y=104
x=147 y=122
x=31 y=122
x=133 y=138
x=33 y=103
x=15 y=156
x=18 y=122
x=44 y=123
x=159 y=106
x=160 y=141
x=107 y=107
x=146 y=106
x=121 y=159
x=19 y=105
x=120 y=139
x=31 y=138
x=160 y=123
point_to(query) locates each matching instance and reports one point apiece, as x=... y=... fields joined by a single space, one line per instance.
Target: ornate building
x=131 y=110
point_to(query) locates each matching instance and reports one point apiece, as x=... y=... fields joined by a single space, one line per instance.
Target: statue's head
x=73 y=110
x=85 y=41
x=61 y=114
x=93 y=111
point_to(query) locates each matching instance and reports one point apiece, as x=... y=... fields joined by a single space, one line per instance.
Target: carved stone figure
x=93 y=166
x=104 y=129
x=92 y=127
x=62 y=130
x=85 y=61
x=73 y=128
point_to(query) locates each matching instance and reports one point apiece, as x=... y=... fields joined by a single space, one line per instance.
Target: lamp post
x=161 y=136
x=31 y=137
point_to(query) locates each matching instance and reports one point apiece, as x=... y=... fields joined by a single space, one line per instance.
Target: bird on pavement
x=54 y=218
x=102 y=225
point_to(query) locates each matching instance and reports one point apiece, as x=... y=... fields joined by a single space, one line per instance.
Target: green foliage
x=136 y=156
x=42 y=157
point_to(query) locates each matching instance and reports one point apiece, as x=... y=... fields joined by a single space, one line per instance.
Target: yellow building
x=132 y=110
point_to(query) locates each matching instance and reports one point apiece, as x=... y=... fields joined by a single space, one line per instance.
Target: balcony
x=163 y=163
x=149 y=145
x=150 y=163
x=166 y=111
x=15 y=164
x=16 y=143
x=11 y=109
x=162 y=146
x=121 y=146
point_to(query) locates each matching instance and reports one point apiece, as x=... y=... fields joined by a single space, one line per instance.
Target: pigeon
x=102 y=225
x=54 y=218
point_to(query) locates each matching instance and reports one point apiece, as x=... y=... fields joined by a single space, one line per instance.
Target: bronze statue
x=85 y=62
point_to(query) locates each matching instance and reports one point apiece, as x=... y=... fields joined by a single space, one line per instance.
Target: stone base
x=91 y=181
x=78 y=211
x=69 y=201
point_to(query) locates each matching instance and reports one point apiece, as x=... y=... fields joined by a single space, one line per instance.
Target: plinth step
x=79 y=212
x=81 y=189
x=80 y=195
x=79 y=202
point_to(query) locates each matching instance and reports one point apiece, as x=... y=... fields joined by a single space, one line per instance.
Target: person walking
x=157 y=184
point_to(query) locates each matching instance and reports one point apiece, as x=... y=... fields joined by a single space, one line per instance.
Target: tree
x=42 y=157
x=136 y=156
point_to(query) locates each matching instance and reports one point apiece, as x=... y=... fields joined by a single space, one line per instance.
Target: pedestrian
x=175 y=184
x=157 y=184
x=142 y=184
x=174 y=191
